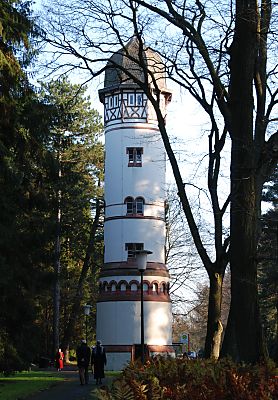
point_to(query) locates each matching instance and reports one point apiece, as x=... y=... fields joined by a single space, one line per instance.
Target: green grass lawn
x=25 y=383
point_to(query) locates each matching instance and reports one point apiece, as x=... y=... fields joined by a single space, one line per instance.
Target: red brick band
x=134 y=217
x=133 y=296
x=131 y=125
x=130 y=348
x=129 y=267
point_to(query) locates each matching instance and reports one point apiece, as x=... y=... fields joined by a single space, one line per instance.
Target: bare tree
x=87 y=262
x=218 y=54
x=182 y=259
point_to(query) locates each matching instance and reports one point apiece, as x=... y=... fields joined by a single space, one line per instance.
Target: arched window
x=145 y=287
x=139 y=205
x=129 y=201
x=134 y=206
x=155 y=287
x=133 y=287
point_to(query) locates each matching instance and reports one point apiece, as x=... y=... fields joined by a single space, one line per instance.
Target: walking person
x=59 y=360
x=98 y=362
x=83 y=355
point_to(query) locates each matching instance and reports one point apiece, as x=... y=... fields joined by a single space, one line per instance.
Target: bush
x=178 y=379
x=10 y=360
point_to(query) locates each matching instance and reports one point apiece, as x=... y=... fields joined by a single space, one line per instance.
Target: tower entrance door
x=137 y=352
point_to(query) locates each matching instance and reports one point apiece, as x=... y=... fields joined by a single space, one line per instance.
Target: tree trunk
x=215 y=270
x=69 y=329
x=214 y=325
x=244 y=334
x=276 y=335
x=57 y=270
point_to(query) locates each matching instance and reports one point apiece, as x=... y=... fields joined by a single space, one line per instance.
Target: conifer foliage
x=19 y=150
x=50 y=159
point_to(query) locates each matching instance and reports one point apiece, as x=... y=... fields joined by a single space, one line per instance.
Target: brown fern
x=121 y=390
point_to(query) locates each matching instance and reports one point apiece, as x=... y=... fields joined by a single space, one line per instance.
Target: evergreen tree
x=33 y=129
x=21 y=154
x=224 y=57
x=74 y=186
x=268 y=272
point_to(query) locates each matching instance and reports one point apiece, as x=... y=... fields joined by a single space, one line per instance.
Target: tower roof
x=128 y=58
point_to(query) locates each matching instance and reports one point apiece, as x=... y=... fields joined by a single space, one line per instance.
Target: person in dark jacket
x=98 y=362
x=83 y=355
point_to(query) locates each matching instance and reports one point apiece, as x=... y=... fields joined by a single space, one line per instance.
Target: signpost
x=185 y=342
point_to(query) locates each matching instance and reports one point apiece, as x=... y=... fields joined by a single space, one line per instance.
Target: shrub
x=179 y=379
x=10 y=360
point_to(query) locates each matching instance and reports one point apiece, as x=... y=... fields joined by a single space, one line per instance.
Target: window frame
x=139 y=96
x=139 y=201
x=131 y=248
x=131 y=98
x=110 y=102
x=134 y=206
x=116 y=100
x=129 y=201
x=134 y=156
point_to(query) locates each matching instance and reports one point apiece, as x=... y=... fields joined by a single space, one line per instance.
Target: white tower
x=134 y=214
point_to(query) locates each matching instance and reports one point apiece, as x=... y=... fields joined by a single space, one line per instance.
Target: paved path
x=70 y=388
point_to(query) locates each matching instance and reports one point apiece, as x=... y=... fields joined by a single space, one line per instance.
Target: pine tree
x=21 y=152
x=74 y=183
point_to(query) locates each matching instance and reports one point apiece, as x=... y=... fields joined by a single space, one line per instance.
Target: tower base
x=119 y=356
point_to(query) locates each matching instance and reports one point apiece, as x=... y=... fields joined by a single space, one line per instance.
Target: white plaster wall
x=151 y=111
x=120 y=231
x=122 y=181
x=118 y=323
x=150 y=210
x=117 y=361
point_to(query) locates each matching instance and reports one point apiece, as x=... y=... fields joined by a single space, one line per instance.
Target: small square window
x=132 y=247
x=134 y=156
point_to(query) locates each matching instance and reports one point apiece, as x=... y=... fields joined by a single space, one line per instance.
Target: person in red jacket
x=59 y=360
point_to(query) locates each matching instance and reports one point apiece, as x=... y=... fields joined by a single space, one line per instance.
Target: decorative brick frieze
x=127 y=268
x=133 y=296
x=133 y=286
